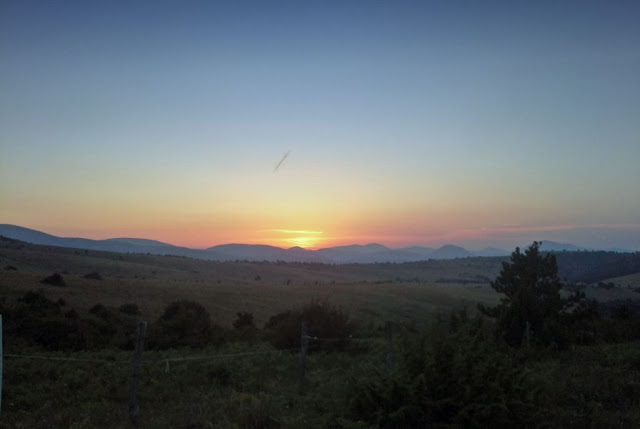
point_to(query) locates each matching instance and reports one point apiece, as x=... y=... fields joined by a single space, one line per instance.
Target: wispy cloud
x=543 y=228
x=281 y=161
x=293 y=231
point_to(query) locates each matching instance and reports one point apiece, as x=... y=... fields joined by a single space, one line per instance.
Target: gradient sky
x=408 y=123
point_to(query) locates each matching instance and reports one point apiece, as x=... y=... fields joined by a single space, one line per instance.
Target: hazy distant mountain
x=491 y=251
x=137 y=242
x=552 y=246
x=449 y=251
x=302 y=255
x=259 y=252
x=619 y=250
x=356 y=253
x=30 y=235
x=245 y=252
x=418 y=253
x=121 y=245
x=370 y=253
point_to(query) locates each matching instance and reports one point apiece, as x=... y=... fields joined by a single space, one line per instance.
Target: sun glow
x=306 y=242
x=300 y=238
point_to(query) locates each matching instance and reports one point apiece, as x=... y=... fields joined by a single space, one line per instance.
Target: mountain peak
x=355 y=253
x=376 y=246
x=553 y=246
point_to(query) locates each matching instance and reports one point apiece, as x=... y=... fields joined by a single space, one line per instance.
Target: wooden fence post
x=304 y=348
x=134 y=407
x=389 y=348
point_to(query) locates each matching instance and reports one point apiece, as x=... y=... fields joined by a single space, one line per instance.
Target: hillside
x=412 y=290
x=592 y=267
x=370 y=253
x=261 y=379
x=401 y=291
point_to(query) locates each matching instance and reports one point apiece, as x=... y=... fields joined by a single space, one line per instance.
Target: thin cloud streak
x=286 y=155
x=293 y=231
x=542 y=228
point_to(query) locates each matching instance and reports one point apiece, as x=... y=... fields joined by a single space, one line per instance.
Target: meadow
x=442 y=365
x=412 y=291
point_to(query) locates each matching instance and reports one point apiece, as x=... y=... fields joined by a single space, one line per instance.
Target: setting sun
x=308 y=242
x=293 y=238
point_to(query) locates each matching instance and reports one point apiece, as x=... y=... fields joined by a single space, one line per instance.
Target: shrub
x=283 y=329
x=54 y=279
x=244 y=320
x=244 y=327
x=184 y=323
x=130 y=309
x=39 y=305
x=458 y=378
x=93 y=276
x=100 y=311
x=107 y=327
x=39 y=320
x=251 y=411
x=57 y=333
x=324 y=321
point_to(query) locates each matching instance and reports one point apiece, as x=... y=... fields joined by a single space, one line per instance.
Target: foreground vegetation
x=454 y=374
x=542 y=356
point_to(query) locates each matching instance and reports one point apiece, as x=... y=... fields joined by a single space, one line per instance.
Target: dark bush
x=244 y=320
x=328 y=326
x=57 y=333
x=107 y=327
x=10 y=268
x=244 y=327
x=455 y=376
x=184 y=323
x=54 y=279
x=283 y=329
x=93 y=276
x=39 y=320
x=37 y=304
x=130 y=309
x=100 y=311
x=219 y=374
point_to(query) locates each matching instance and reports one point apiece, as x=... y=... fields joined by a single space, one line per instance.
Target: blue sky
x=408 y=122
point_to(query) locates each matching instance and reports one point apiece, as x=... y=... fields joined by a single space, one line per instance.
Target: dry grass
x=630 y=281
x=370 y=292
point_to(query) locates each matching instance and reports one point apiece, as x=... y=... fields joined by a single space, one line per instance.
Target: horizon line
x=317 y=248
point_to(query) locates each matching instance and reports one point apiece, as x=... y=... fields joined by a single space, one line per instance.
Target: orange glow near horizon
x=297 y=238
x=314 y=233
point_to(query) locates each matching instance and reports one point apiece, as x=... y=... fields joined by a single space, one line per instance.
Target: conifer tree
x=531 y=307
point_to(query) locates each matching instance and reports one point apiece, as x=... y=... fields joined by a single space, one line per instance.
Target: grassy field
x=583 y=387
x=245 y=382
x=232 y=392
x=413 y=291
x=628 y=281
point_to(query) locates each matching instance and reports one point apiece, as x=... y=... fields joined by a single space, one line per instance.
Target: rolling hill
x=361 y=254
x=353 y=254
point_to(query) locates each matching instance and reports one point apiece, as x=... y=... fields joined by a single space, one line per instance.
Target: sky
x=405 y=123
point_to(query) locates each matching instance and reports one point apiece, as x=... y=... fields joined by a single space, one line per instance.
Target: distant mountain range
x=369 y=253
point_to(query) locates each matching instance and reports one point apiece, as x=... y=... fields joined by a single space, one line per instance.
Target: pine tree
x=532 y=305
